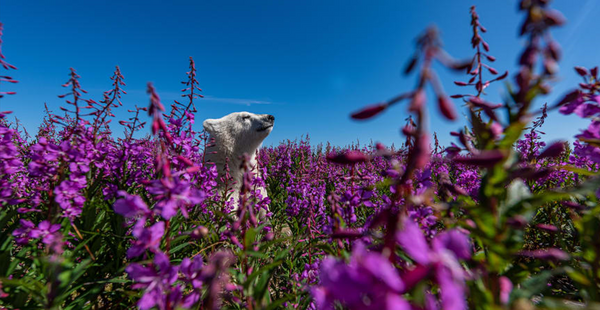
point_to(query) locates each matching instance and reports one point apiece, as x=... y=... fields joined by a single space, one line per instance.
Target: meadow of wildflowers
x=498 y=220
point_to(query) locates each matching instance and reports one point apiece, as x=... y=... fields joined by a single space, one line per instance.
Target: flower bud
x=199 y=232
x=483 y=159
x=411 y=65
x=369 y=111
x=581 y=71
x=554 y=150
x=446 y=107
x=351 y=157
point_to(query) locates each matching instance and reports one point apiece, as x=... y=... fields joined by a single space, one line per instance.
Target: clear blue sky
x=309 y=63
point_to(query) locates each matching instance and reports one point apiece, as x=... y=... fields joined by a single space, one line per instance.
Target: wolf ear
x=210 y=125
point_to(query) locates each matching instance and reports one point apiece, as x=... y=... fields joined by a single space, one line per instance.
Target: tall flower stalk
x=6 y=66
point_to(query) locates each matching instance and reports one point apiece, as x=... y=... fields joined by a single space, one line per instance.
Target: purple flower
x=447 y=248
x=571 y=106
x=10 y=163
x=44 y=158
x=425 y=217
x=175 y=194
x=69 y=198
x=45 y=231
x=424 y=181
x=452 y=290
x=368 y=281
x=506 y=287
x=191 y=269
x=310 y=274
x=351 y=157
x=157 y=281
x=592 y=132
x=148 y=238
x=454 y=241
x=22 y=233
x=413 y=241
x=130 y=205
x=587 y=110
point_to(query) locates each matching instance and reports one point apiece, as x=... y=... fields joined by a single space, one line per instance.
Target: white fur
x=234 y=135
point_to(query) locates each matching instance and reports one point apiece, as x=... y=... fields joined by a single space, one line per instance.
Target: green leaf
x=179 y=247
x=260 y=271
x=260 y=289
x=579 y=171
x=275 y=304
x=511 y=135
x=249 y=238
x=533 y=286
x=577 y=276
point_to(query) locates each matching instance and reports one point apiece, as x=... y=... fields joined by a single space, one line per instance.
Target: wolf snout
x=271 y=118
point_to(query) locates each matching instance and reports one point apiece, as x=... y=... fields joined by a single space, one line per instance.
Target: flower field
x=500 y=219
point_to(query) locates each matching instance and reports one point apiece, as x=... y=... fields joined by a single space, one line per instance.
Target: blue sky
x=309 y=63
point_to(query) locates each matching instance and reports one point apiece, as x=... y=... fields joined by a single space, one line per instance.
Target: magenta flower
x=571 y=105
x=45 y=231
x=191 y=269
x=49 y=234
x=10 y=163
x=69 y=198
x=587 y=109
x=454 y=241
x=173 y=195
x=155 y=110
x=23 y=233
x=130 y=205
x=368 y=281
x=148 y=238
x=44 y=158
x=591 y=133
x=351 y=157
x=425 y=218
x=442 y=258
x=506 y=287
x=157 y=281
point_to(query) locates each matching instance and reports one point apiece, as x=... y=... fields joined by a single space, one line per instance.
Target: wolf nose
x=271 y=118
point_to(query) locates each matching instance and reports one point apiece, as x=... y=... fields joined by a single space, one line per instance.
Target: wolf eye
x=245 y=117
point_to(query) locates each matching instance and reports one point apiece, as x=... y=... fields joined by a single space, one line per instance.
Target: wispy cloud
x=582 y=17
x=240 y=101
x=167 y=96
